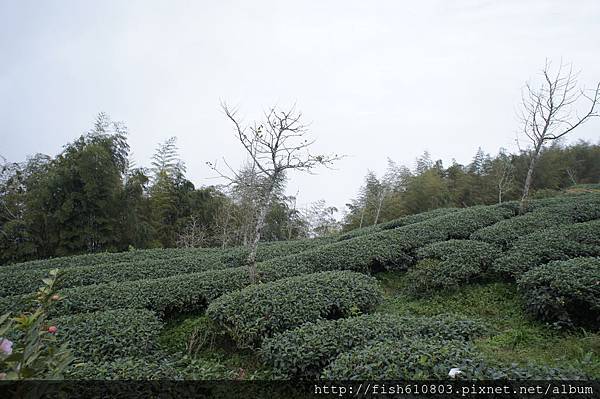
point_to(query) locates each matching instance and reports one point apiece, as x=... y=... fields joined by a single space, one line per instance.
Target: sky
x=374 y=79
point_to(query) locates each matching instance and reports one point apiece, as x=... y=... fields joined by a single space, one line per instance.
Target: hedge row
x=395 y=248
x=415 y=359
x=179 y=293
x=26 y=281
x=21 y=281
x=405 y=359
x=392 y=224
x=449 y=264
x=557 y=243
x=230 y=257
x=558 y=211
x=126 y=368
x=564 y=292
x=259 y=311
x=388 y=249
x=304 y=351
x=101 y=258
x=105 y=335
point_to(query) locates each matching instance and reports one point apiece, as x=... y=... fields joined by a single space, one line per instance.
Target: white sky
x=376 y=79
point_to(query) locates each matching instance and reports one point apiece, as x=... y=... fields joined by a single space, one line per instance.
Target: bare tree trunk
x=499 y=193
x=529 y=178
x=260 y=222
x=362 y=217
x=379 y=205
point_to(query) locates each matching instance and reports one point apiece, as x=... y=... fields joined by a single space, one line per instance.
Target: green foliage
x=544 y=214
x=403 y=359
x=157 y=367
x=416 y=359
x=36 y=353
x=392 y=224
x=450 y=264
x=261 y=310
x=147 y=264
x=564 y=292
x=516 y=336
x=557 y=243
x=395 y=248
x=304 y=351
x=106 y=335
x=426 y=191
x=191 y=335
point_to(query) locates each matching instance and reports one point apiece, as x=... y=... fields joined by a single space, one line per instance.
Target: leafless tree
x=276 y=145
x=225 y=222
x=193 y=235
x=549 y=112
x=503 y=172
x=320 y=219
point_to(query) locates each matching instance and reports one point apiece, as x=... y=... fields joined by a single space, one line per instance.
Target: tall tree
x=548 y=112
x=275 y=146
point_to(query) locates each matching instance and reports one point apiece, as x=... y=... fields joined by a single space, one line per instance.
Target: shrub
x=565 y=292
x=561 y=210
x=557 y=243
x=176 y=294
x=106 y=335
x=415 y=359
x=449 y=264
x=129 y=368
x=23 y=281
x=192 y=334
x=394 y=248
x=304 y=351
x=261 y=310
x=405 y=359
x=392 y=224
x=228 y=257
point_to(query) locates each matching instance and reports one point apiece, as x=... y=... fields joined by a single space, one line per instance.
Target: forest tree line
x=91 y=197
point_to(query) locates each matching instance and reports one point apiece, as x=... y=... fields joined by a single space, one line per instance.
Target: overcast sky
x=375 y=79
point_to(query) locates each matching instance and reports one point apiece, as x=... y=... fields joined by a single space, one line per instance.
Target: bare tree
x=549 y=112
x=321 y=220
x=193 y=235
x=503 y=172
x=276 y=145
x=224 y=222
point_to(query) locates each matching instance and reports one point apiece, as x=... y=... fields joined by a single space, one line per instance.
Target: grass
x=515 y=337
x=212 y=355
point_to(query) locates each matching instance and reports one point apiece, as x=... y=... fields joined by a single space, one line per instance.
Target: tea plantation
x=485 y=289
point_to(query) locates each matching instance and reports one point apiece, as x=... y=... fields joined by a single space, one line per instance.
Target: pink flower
x=6 y=346
x=52 y=329
x=55 y=297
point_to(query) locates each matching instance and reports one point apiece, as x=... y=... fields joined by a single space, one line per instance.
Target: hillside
x=484 y=289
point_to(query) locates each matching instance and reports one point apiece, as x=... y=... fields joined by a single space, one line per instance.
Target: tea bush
x=395 y=248
x=228 y=257
x=449 y=264
x=405 y=359
x=105 y=335
x=23 y=281
x=564 y=292
x=128 y=368
x=392 y=224
x=175 y=294
x=261 y=310
x=415 y=359
x=558 y=211
x=557 y=243
x=304 y=351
